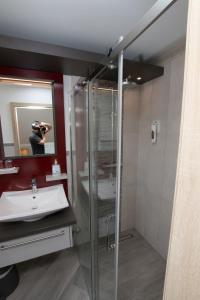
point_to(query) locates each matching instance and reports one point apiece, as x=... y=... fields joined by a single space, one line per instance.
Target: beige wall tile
x=183 y=267
x=151 y=169
x=130 y=153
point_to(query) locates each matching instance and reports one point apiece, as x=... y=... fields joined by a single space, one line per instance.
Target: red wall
x=38 y=166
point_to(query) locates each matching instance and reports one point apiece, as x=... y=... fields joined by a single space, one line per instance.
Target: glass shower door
x=80 y=182
x=94 y=168
x=103 y=95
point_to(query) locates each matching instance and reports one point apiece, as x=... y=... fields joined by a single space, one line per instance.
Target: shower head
x=128 y=83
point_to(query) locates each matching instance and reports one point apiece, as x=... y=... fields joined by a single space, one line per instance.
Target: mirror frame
x=58 y=105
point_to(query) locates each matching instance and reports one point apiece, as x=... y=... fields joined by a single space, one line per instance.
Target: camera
x=36 y=125
x=43 y=129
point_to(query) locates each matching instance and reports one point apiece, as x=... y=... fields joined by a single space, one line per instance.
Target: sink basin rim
x=17 y=216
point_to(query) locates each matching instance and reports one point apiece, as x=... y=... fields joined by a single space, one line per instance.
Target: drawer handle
x=33 y=240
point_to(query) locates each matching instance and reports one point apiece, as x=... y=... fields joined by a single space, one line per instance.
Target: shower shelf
x=13 y=170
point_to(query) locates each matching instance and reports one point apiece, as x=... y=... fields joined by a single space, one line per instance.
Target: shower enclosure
x=118 y=256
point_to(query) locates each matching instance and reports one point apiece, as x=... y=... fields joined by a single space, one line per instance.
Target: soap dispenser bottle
x=56 y=168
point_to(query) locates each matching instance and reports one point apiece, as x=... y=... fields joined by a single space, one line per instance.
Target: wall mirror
x=27 y=117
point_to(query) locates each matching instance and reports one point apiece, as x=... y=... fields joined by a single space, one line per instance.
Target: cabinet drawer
x=22 y=249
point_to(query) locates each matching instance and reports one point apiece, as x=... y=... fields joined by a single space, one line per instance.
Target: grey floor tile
x=59 y=276
x=48 y=277
x=141 y=271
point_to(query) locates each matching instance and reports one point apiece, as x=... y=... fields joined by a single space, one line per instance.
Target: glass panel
x=103 y=125
x=152 y=101
x=80 y=180
x=93 y=121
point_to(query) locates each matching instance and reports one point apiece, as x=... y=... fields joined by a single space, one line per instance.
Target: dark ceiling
x=76 y=67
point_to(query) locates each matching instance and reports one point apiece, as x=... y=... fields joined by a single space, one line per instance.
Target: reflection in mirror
x=27 y=117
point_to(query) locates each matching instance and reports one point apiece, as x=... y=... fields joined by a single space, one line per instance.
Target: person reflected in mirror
x=38 y=137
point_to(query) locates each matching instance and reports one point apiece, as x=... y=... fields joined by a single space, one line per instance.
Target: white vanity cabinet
x=22 y=249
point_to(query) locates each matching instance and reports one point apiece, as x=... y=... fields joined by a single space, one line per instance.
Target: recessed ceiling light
x=139 y=78
x=112 y=66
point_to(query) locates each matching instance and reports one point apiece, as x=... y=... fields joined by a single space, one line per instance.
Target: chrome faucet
x=34 y=185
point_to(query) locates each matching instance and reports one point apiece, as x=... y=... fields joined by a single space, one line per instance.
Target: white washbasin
x=29 y=206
